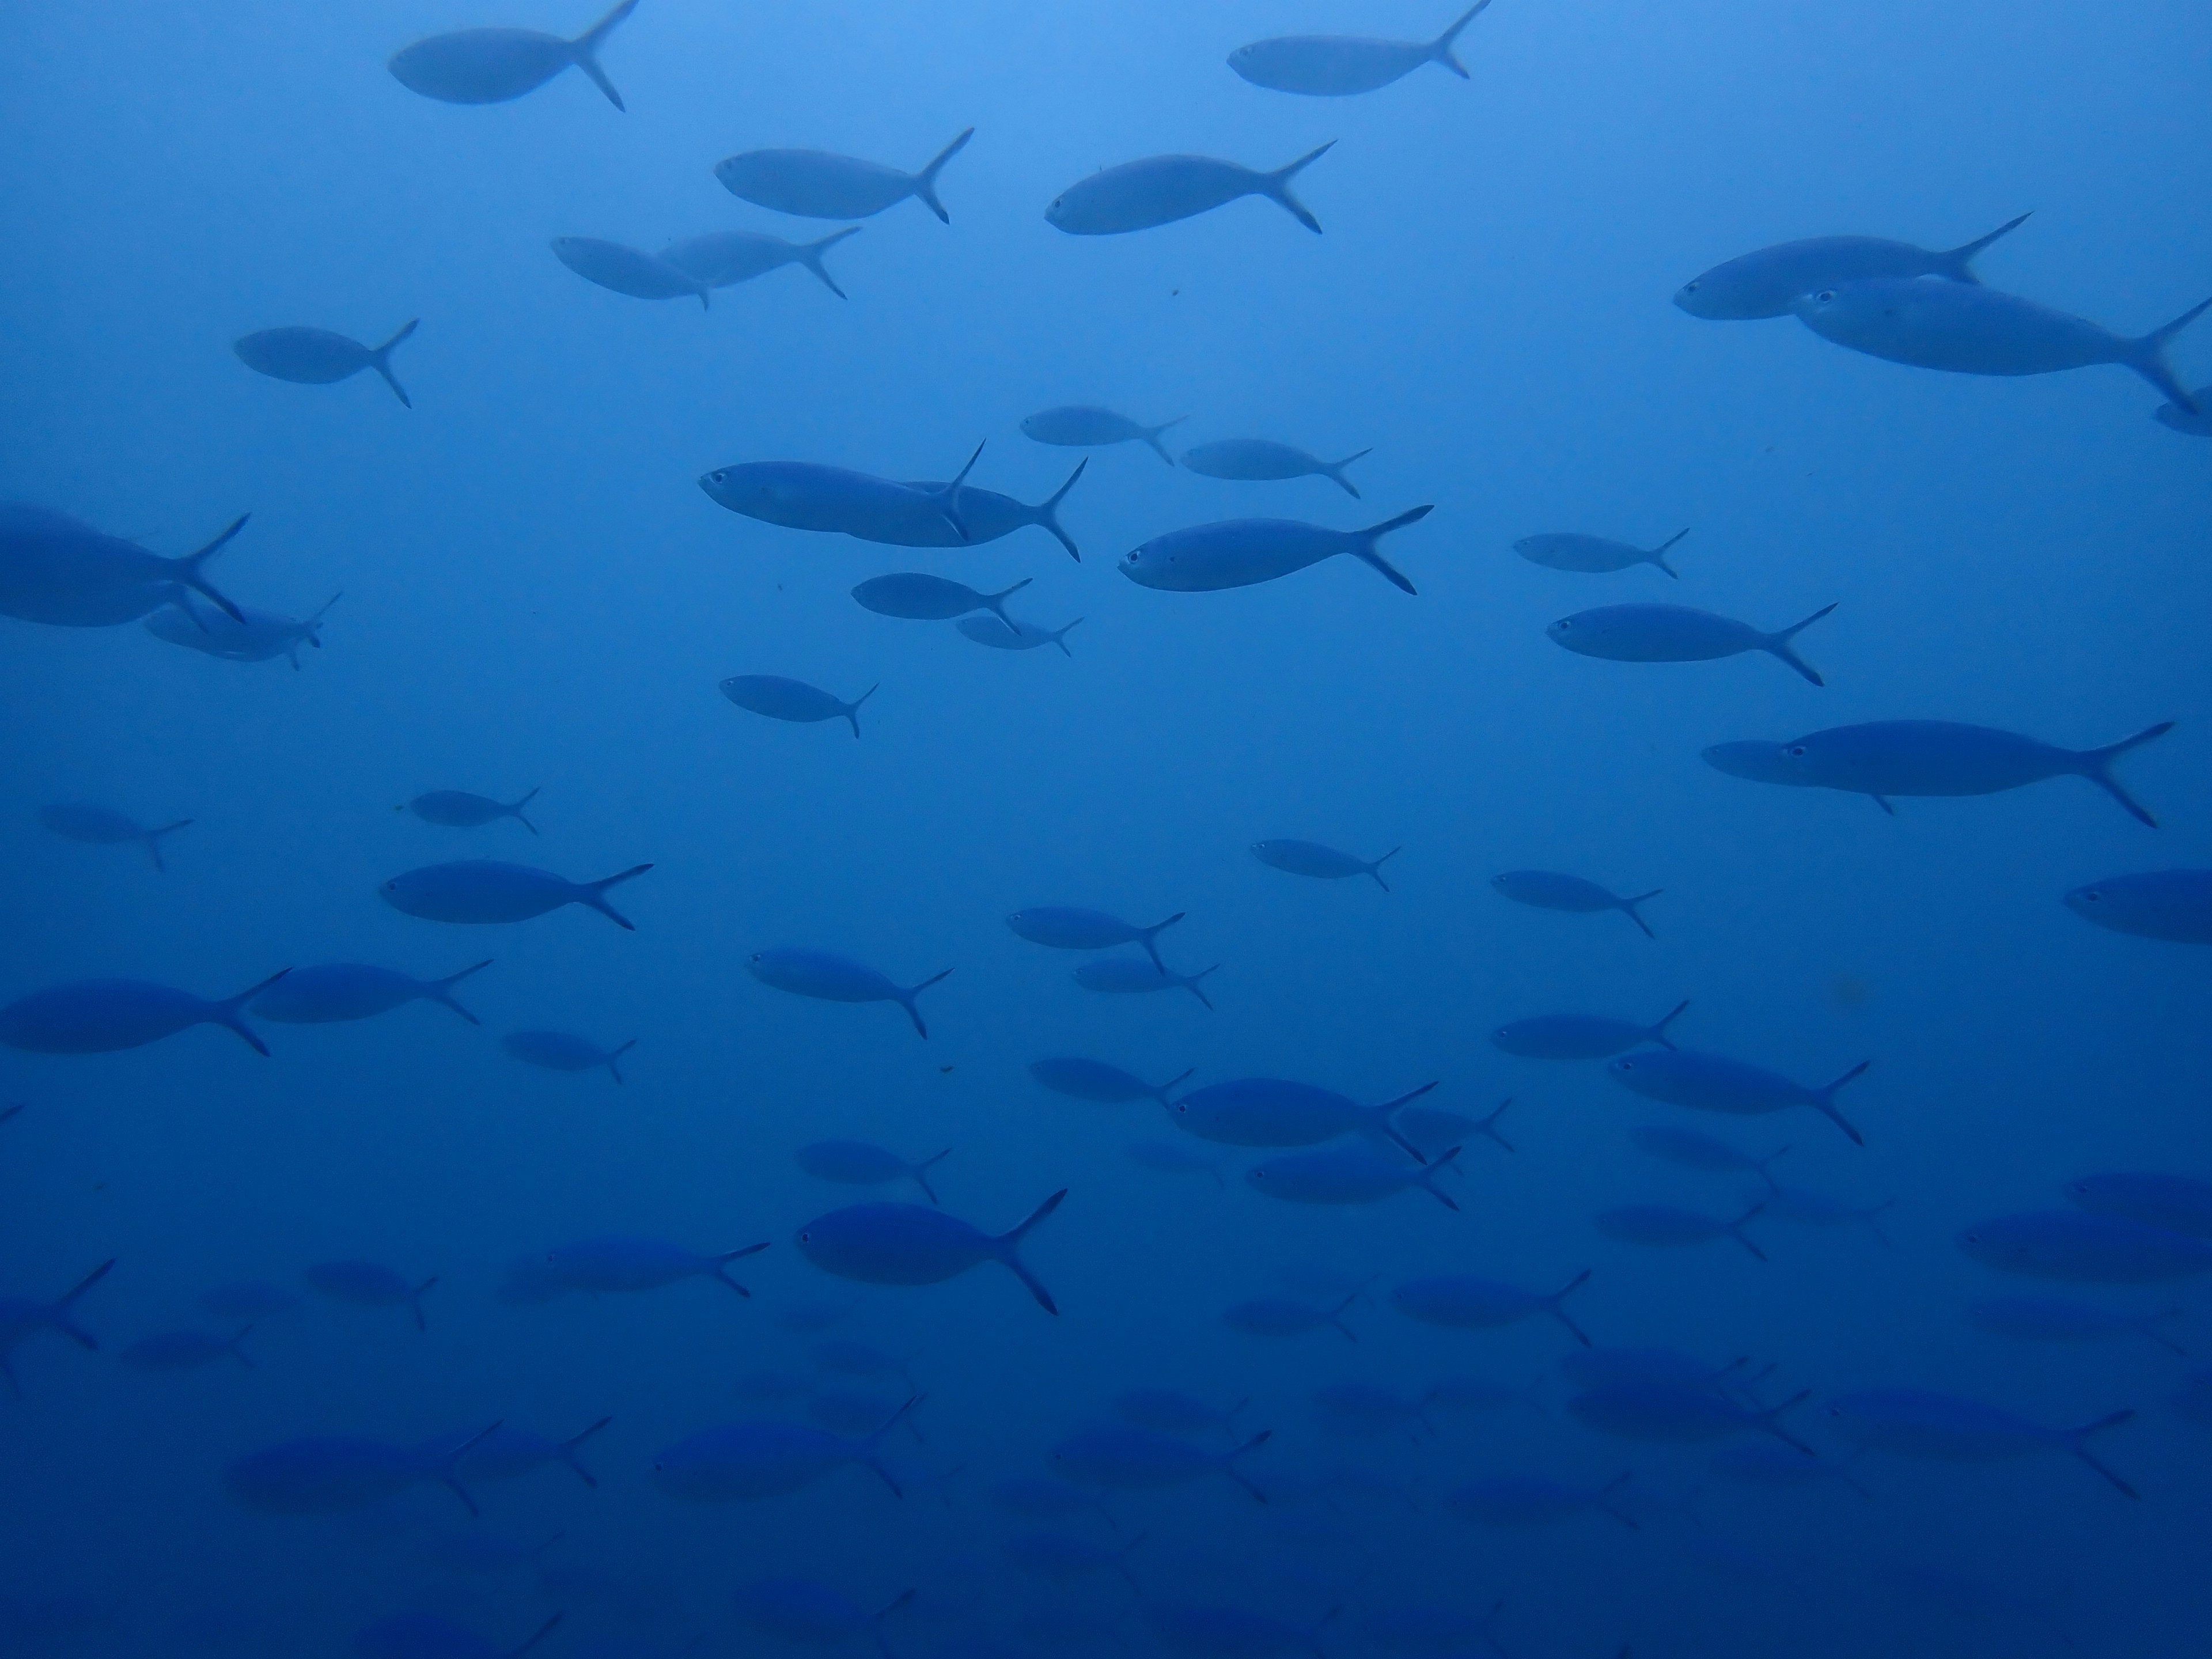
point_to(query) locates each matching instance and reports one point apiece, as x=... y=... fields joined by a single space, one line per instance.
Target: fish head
x=1568 y=631
x=2092 y=902
x=1854 y=314
x=1700 y=297
x=741 y=489
x=1148 y=567
x=1759 y=761
x=1056 y=217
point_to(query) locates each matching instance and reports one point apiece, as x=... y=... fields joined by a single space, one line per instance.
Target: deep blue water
x=537 y=595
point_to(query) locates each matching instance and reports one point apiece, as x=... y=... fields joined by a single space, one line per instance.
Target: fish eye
x=1624 y=1065
x=2092 y=894
x=1825 y=296
x=803 y=1237
x=1690 y=288
x=1797 y=749
x=1973 y=1238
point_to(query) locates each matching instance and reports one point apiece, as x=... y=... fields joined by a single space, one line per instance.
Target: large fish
x=102 y=1016
x=1243 y=552
x=1770 y=282
x=1341 y=66
x=1162 y=189
x=986 y=515
x=1460 y=1302
x=2086 y=1248
x=1276 y=1112
x=792 y=699
x=759 y=1458
x=1262 y=460
x=1347 y=1175
x=814 y=183
x=316 y=357
x=1943 y=1428
x=629 y=270
x=1593 y=555
x=1067 y=928
x=59 y=570
x=490 y=66
x=95 y=825
x=331 y=1475
x=331 y=990
x=1714 y=1082
x=1581 y=1037
x=916 y=596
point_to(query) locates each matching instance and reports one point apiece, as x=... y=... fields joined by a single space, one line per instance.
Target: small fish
x=1670 y=1415
x=490 y=66
x=1347 y=1175
x=369 y=1284
x=1770 y=282
x=251 y=636
x=813 y=184
x=1262 y=460
x=835 y=500
x=1270 y=1111
x=1675 y=633
x=1170 y=1157
x=1310 y=858
x=1966 y=328
x=103 y=826
x=2180 y=1203
x=433 y=1636
x=616 y=1264
x=22 y=1317
x=558 y=1051
x=1593 y=555
x=1085 y=426
x=2056 y=1319
x=1124 y=1458
x=186 y=1350
x=1666 y=1226
x=1547 y=890
x=1887 y=758
x=316 y=357
x=1095 y=1080
x=2168 y=904
x=102 y=1016
x=1014 y=635
x=1691 y=1149
x=910 y=1244
x=331 y=1474
x=758 y=1458
x=1460 y=1302
x=457 y=809
x=862 y=1163
x=1714 y=1083
x=60 y=571
x=1208 y=558
x=1127 y=975
x=1808 y=1208
x=1944 y=1428
x=914 y=596
x=249 y=1299
x=1582 y=1036
x=488 y=891
x=629 y=270
x=1341 y=66
x=2086 y=1248
x=508 y=1454
x=803 y=1614
x=1063 y=928
x=331 y=990
x=723 y=259
x=1270 y=1318
x=1163 y=189
x=836 y=979
x=1533 y=1500
x=1165 y=1410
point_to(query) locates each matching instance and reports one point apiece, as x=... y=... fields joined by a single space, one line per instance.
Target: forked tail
x=1009 y=1244
x=379 y=359
x=2097 y=763
x=1276 y=186
x=585 y=49
x=925 y=182
x=2147 y=356
x=1440 y=50
x=906 y=1001
x=595 y=893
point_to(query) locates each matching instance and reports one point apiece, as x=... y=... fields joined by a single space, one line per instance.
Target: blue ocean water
x=537 y=594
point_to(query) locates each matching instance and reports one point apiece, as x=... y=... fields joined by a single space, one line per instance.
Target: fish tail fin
x=1658 y=1032
x=1277 y=187
x=1380 y=1117
x=1191 y=985
x=1427 y=1180
x=1151 y=435
x=925 y=182
x=568 y=1452
x=1367 y=552
x=1782 y=645
x=1048 y=514
x=1628 y=906
x=2097 y=765
x=585 y=49
x=1376 y=868
x=1488 y=1126
x=447 y=1467
x=1060 y=639
x=852 y=708
x=1771 y=1421
x=153 y=839
x=1957 y=263
x=1122 y=1564
x=192 y=569
x=723 y=1261
x=379 y=359
x=1555 y=1304
x=1766 y=1175
x=996 y=602
x=1598 y=1497
x=1735 y=1229
x=1440 y=50
x=810 y=255
x=871 y=1447
x=441 y=990
x=545 y=1628
x=1229 y=1463
x=921 y=1173
x=516 y=813
x=614 y=1055
x=230 y=1012
x=1149 y=937
x=1658 y=554
x=1824 y=1102
x=2147 y=356
x=906 y=1001
x=415 y=1301
x=595 y=895
x=2149 y=1325
x=236 y=1347
x=60 y=1314
x=2077 y=1443
x=1009 y=1245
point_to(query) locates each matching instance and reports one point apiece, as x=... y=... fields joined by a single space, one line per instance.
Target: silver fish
x=457 y=809
x=1064 y=928
x=1310 y=858
x=862 y=1163
x=792 y=699
x=1667 y=1226
x=316 y=357
x=1085 y=426
x=723 y=259
x=1549 y=890
x=987 y=516
x=1675 y=633
x=1693 y=1149
x=251 y=636
x=1714 y=1082
x=757 y=1459
x=331 y=1474
x=186 y=1350
x=103 y=826
x=1944 y=1428
x=1341 y=66
x=1093 y=1080
x=490 y=66
x=1125 y=1458
x=913 y=1244
x=1668 y=1414
x=1582 y=1036
x=1593 y=555
x=1347 y=1175
x=814 y=183
x=1127 y=975
x=1460 y=1302
x=369 y=1284
x=1015 y=636
x=2086 y=1248
x=1770 y=282
x=1163 y=189
x=630 y=270
x=1241 y=552
x=60 y=571
x=331 y=990
x=1262 y=460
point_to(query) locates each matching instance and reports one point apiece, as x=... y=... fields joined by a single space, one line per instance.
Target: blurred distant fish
x=1693 y=1149
x=1669 y=1226
x=1066 y=927
x=915 y=596
x=630 y=270
x=615 y=1264
x=1125 y=1458
x=1760 y=1464
x=1810 y=1208
x=1310 y=858
x=100 y=1016
x=758 y=1458
x=1127 y=975
x=1341 y=66
x=1548 y=890
x=1268 y=1316
x=316 y=357
x=330 y=991
x=1943 y=1428
x=22 y=1316
x=186 y=1350
x=1670 y=1414
x=369 y=1284
x=248 y=1300
x=1062 y=1558
x=490 y=66
x=1463 y=1303
x=1770 y=282
x=723 y=259
x=2168 y=904
x=815 y=183
x=1209 y=1630
x=457 y=809
x=1094 y=1079
x=910 y=1244
x=1532 y=1500
x=2180 y=1203
x=1347 y=1175
x=2057 y=1319
x=559 y=1051
x=1160 y=190
x=863 y=1164
x=1676 y=633
x=433 y=1636
x=1262 y=460
x=1167 y=1410
x=1606 y=1368
x=2086 y=1247
x=1275 y=1112
x=60 y=571
x=330 y=1475
x=103 y=826
x=1582 y=1036
x=1086 y=425
x=1714 y=1082
x=1208 y=558
x=251 y=636
x=1593 y=555
x=830 y=978
x=488 y=891
x=1015 y=636
x=1431 y=1129
x=508 y=1454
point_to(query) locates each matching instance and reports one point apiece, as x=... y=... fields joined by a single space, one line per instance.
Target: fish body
x=457 y=809
x=1532 y=1500
x=369 y=1284
x=1581 y=1037
x=1669 y=1413
x=2169 y=904
x=1125 y=1458
x=863 y=1164
x=808 y=496
x=95 y=825
x=815 y=183
x=1675 y=633
x=1086 y=425
x=22 y=1316
x=326 y=992
x=316 y=357
x=1014 y=635
x=1593 y=555
x=2086 y=1248
x=1130 y=976
x=1068 y=927
x=723 y=259
x=782 y=699
x=248 y=1300
x=1347 y=1175
x=1551 y=890
x=1343 y=66
x=614 y=1263
x=185 y=1350
x=250 y=636
x=985 y=515
x=917 y=1244
x=1311 y=859
x=1693 y=1149
x=331 y=1475
x=60 y=571
x=1770 y=282
x=1268 y=1316
x=1160 y=190
x=1270 y=1111
x=1462 y=1302
x=1262 y=460
x=2180 y=1203
x=103 y=1016
x=493 y=65
x=831 y=978
x=1209 y=558
x=913 y=596
x=488 y=890
x=559 y=1051
x=1943 y=1428
x=630 y=272
x=1095 y=1080
x=1669 y=1226
x=1714 y=1082
x=758 y=1458
x=508 y=1454
x=2058 y=1319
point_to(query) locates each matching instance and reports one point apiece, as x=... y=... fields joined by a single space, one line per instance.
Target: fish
x=769 y=1384
x=1809 y=1208
x=1770 y=282
x=2085 y=1248
x=2180 y=1203
x=1014 y=635
x=1095 y=1080
x=847 y=1413
x=316 y=357
x=557 y=1051
x=369 y=1284
x=457 y=809
x=1127 y=975
x=1887 y=758
x=1460 y=1302
x=723 y=259
x=508 y=1454
x=60 y=571
x=1085 y=426
x=758 y=1458
x=488 y=890
x=1944 y=1428
x=1548 y=890
x=1064 y=928
x=1347 y=1175
x=1270 y=1318
x=1670 y=1414
x=836 y=979
x=22 y=1316
x=1341 y=66
x=911 y=596
x=803 y=1614
x=433 y=1636
x=2057 y=1319
x=1170 y=1157
x=813 y=184
x=1160 y=190
x=1758 y=1464
x=248 y=1300
x=987 y=516
x=331 y=1474
x=1208 y=558
x=2166 y=904
x=1966 y=328
x=1714 y=1083
x=1062 y=1556
x=1582 y=1036
x=911 y=1244
x=1270 y=1111
x=1533 y=1500
x=103 y=1016
x=1125 y=1458
x=629 y=270
x=835 y=500
x=1262 y=460
x=330 y=991
x=2193 y=420
x=1431 y=1129
x=612 y=1264
x=862 y=1163
x=1676 y=633
x=1165 y=1411
x=1691 y=1149
x=491 y=66
x=103 y=826
x=186 y=1349
x=1594 y=556
x=1667 y=1226
x=1310 y=858
x=254 y=636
